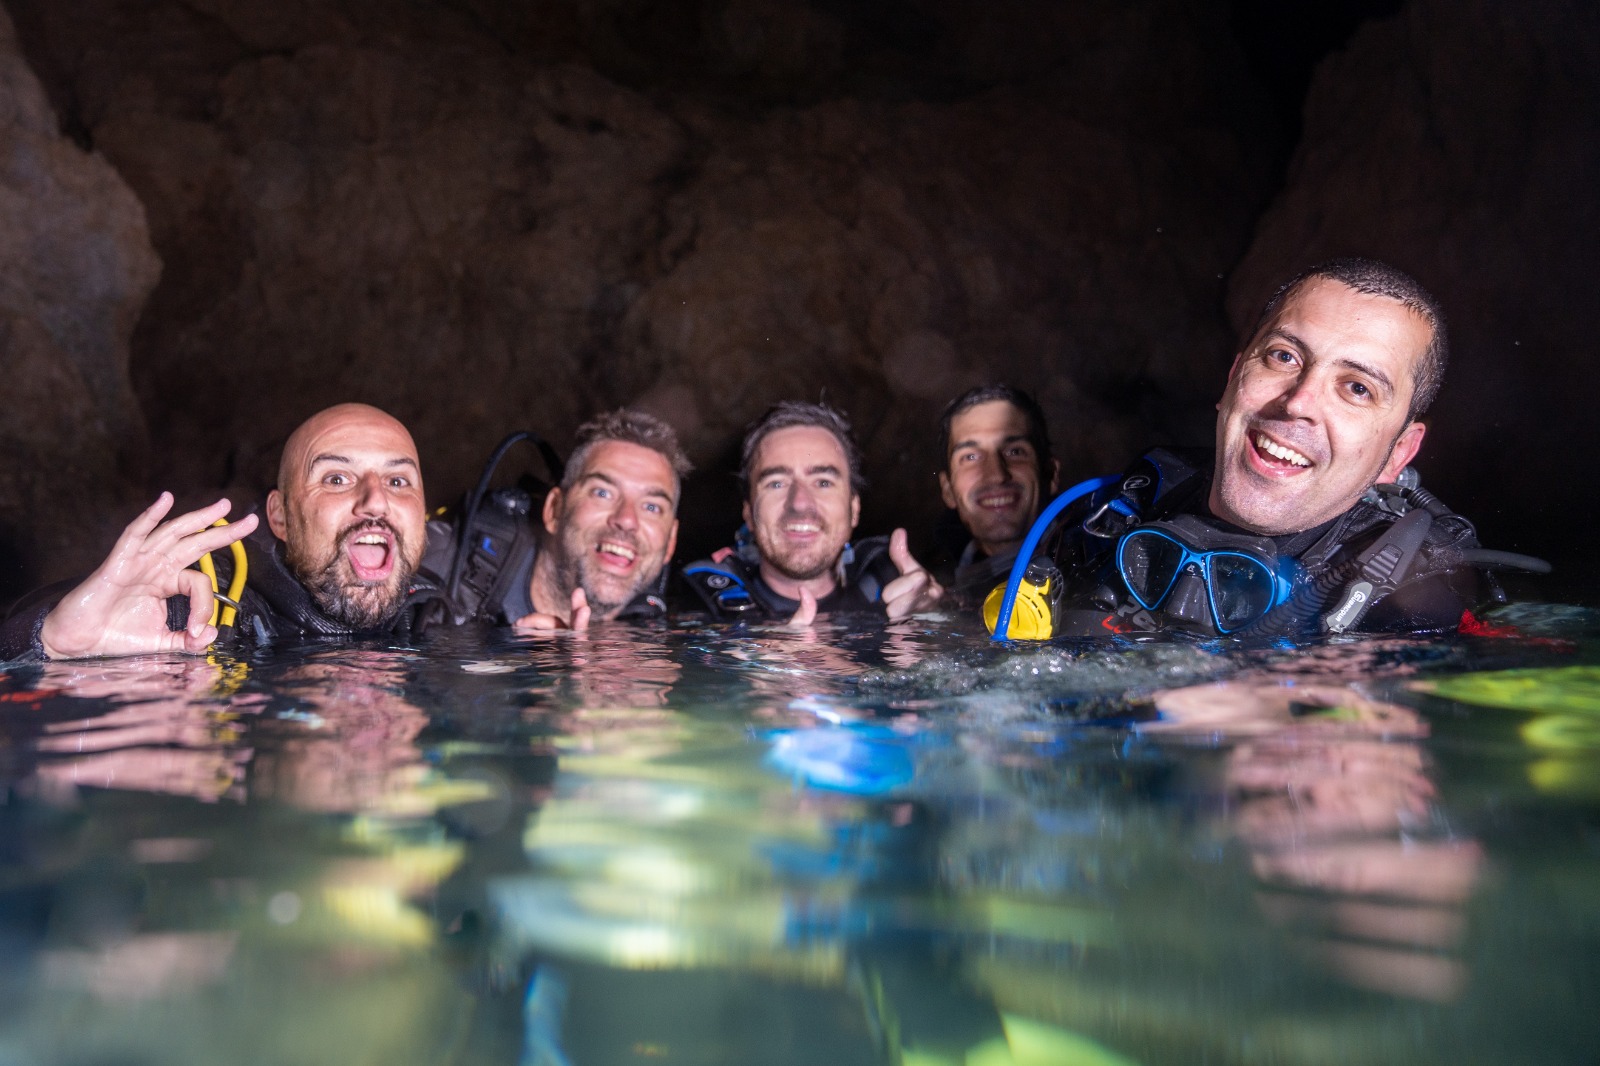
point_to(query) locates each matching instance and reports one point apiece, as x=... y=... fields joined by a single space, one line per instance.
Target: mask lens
x=1241 y=589
x=1150 y=562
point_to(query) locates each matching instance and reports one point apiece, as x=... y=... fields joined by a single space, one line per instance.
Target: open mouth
x=616 y=555
x=1275 y=456
x=371 y=554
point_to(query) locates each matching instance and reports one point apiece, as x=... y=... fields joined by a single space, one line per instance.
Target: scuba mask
x=1203 y=576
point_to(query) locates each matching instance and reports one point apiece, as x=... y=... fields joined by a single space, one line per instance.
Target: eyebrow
x=653 y=490
x=1012 y=439
x=826 y=468
x=1354 y=364
x=326 y=457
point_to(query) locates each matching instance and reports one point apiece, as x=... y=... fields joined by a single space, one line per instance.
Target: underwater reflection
x=1329 y=792
x=170 y=724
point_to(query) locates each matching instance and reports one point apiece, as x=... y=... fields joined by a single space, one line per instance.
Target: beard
x=605 y=592
x=345 y=598
x=802 y=564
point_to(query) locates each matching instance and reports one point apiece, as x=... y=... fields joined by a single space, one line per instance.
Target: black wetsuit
x=731 y=587
x=976 y=574
x=496 y=580
x=273 y=606
x=1437 y=589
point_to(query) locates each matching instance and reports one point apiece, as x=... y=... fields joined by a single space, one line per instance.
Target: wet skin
x=992 y=475
x=349 y=506
x=612 y=531
x=801 y=509
x=1317 y=409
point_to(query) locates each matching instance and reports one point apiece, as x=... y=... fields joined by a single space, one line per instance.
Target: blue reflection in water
x=753 y=846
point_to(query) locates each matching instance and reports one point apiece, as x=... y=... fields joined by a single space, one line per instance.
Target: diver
x=607 y=532
x=997 y=473
x=800 y=471
x=339 y=556
x=1306 y=519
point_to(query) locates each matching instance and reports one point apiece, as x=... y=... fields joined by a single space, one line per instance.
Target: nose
x=622 y=514
x=372 y=499
x=800 y=497
x=1000 y=465
x=1300 y=401
x=1187 y=602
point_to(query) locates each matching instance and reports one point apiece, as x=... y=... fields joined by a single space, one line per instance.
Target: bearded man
x=801 y=472
x=345 y=532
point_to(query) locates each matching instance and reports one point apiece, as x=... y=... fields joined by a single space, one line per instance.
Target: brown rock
x=77 y=265
x=399 y=203
x=1457 y=141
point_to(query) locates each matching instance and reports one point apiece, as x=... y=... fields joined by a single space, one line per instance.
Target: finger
x=209 y=539
x=197 y=587
x=175 y=529
x=536 y=623
x=580 y=609
x=902 y=595
x=195 y=643
x=807 y=613
x=147 y=520
x=900 y=553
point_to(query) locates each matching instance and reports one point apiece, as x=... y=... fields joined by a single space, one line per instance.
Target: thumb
x=807 y=612
x=580 y=609
x=900 y=553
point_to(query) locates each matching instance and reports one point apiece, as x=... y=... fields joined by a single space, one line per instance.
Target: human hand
x=539 y=622
x=121 y=608
x=915 y=589
x=807 y=612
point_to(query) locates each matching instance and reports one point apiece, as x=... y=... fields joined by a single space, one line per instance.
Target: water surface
x=748 y=846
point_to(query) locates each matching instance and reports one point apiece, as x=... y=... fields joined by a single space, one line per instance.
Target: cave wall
x=495 y=214
x=439 y=209
x=76 y=265
x=1461 y=141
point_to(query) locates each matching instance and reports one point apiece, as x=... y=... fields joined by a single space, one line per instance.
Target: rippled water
x=749 y=846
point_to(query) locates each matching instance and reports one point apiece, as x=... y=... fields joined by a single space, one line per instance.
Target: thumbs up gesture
x=915 y=589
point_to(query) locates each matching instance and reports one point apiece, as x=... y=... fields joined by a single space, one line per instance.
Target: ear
x=276 y=519
x=945 y=492
x=1404 y=450
x=744 y=515
x=855 y=510
x=552 y=510
x=1233 y=372
x=672 y=541
x=1055 y=476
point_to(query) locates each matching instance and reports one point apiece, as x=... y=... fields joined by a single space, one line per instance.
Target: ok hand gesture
x=121 y=608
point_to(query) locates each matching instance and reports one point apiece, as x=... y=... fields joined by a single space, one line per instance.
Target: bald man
x=345 y=532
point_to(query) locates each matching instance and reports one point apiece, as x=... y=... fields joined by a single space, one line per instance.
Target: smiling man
x=801 y=472
x=610 y=528
x=998 y=471
x=345 y=532
x=1302 y=522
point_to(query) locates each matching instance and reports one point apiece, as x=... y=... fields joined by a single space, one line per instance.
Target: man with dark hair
x=1307 y=518
x=608 y=530
x=345 y=533
x=800 y=470
x=997 y=473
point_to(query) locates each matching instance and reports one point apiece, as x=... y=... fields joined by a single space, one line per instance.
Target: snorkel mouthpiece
x=1033 y=607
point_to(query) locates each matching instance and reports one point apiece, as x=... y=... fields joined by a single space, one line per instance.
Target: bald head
x=350 y=511
x=344 y=421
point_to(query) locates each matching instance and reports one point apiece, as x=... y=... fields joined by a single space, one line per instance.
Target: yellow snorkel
x=226 y=609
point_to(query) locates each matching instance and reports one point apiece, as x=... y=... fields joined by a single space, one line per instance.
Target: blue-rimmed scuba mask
x=1198 y=574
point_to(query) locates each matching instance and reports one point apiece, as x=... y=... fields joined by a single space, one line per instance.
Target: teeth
x=371 y=538
x=617 y=549
x=1272 y=448
x=803 y=527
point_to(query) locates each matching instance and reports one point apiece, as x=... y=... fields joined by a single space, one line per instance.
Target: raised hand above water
x=121 y=608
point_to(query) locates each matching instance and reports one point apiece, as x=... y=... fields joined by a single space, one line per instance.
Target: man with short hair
x=800 y=470
x=345 y=534
x=1300 y=522
x=608 y=530
x=998 y=472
